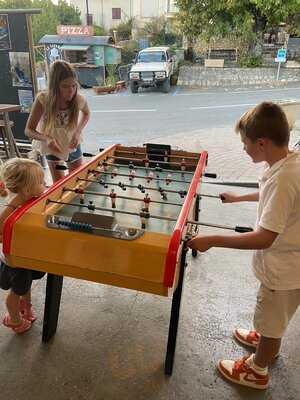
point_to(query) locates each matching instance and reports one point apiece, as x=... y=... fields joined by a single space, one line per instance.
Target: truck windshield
x=153 y=56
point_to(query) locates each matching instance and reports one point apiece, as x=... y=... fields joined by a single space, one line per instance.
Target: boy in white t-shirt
x=265 y=134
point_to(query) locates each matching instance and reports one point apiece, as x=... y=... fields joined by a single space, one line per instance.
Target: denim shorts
x=17 y=279
x=73 y=156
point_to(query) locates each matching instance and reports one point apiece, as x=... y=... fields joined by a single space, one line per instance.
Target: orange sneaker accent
x=247 y=337
x=239 y=372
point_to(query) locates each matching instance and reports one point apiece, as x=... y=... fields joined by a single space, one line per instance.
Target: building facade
x=109 y=13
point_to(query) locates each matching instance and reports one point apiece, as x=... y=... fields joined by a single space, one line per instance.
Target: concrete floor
x=111 y=342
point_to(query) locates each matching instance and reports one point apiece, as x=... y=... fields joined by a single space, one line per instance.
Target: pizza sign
x=85 y=30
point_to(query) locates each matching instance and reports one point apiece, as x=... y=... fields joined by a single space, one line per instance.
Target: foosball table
x=121 y=219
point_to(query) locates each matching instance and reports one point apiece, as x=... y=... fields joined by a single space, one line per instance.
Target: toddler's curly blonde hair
x=19 y=174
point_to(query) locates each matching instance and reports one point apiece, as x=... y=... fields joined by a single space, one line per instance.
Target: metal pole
x=277 y=78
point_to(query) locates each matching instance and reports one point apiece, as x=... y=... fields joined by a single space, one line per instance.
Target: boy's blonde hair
x=19 y=174
x=59 y=71
x=266 y=120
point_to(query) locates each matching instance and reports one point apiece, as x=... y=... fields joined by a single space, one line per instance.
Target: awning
x=74 y=47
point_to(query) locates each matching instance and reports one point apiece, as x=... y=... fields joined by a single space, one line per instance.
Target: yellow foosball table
x=120 y=219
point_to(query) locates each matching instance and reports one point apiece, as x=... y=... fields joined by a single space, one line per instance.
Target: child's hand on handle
x=75 y=139
x=229 y=197
x=201 y=243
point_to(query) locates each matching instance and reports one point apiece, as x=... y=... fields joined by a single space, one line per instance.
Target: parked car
x=154 y=67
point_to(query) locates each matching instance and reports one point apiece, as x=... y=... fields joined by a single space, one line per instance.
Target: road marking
x=224 y=106
x=119 y=111
x=226 y=91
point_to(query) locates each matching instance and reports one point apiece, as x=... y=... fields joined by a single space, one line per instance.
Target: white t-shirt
x=278 y=267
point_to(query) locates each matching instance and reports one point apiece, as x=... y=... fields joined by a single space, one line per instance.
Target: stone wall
x=199 y=76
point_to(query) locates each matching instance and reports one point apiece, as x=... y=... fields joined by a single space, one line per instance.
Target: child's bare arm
x=231 y=197
x=5 y=211
x=259 y=239
x=33 y=120
x=84 y=118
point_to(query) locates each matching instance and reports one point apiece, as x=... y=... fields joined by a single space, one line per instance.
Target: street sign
x=281 y=55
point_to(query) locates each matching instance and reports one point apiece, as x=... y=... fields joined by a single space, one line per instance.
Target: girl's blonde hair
x=59 y=71
x=19 y=174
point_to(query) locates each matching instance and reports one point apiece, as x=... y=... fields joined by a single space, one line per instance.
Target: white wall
x=140 y=9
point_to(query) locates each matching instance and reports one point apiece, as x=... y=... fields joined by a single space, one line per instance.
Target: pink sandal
x=27 y=311
x=22 y=327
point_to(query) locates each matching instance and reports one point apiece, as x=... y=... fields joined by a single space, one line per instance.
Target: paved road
x=190 y=119
x=127 y=118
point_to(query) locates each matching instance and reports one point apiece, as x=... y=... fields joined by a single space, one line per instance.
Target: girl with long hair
x=55 y=122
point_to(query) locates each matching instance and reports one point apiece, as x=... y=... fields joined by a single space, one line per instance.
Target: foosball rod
x=237 y=184
x=88 y=192
x=145 y=154
x=103 y=183
x=136 y=176
x=168 y=203
x=206 y=174
x=148 y=215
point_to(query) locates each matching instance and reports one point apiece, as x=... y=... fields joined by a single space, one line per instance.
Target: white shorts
x=274 y=310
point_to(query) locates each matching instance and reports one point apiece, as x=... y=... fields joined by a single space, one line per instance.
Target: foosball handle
x=243 y=229
x=210 y=175
x=88 y=155
x=61 y=167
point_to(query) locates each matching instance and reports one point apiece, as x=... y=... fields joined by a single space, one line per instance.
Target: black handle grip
x=243 y=229
x=88 y=155
x=61 y=167
x=101 y=149
x=210 y=175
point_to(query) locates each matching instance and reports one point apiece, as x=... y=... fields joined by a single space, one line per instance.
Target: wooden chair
x=3 y=136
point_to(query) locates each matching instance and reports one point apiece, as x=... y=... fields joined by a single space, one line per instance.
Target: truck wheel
x=134 y=87
x=166 y=86
x=174 y=79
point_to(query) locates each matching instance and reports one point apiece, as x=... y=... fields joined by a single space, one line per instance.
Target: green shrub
x=251 y=61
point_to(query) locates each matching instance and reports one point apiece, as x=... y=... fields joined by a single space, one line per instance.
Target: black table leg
x=52 y=303
x=175 y=310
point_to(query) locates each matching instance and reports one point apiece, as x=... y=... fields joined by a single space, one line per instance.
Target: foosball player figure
x=141 y=188
x=103 y=183
x=163 y=193
x=132 y=174
x=166 y=156
x=150 y=176
x=144 y=215
x=122 y=186
x=114 y=173
x=168 y=179
x=131 y=165
x=113 y=196
x=146 y=161
x=104 y=165
x=147 y=202
x=80 y=191
x=91 y=205
x=183 y=166
x=182 y=193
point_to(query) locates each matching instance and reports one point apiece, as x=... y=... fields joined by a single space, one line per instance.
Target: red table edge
x=171 y=259
x=13 y=217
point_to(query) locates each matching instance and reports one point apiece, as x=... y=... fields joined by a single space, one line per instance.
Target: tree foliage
x=213 y=18
x=51 y=16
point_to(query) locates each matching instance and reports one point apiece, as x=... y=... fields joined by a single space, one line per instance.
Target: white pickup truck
x=154 y=66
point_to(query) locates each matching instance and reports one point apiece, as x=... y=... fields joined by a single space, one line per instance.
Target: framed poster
x=5 y=43
x=20 y=68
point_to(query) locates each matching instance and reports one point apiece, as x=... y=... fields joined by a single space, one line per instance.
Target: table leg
x=175 y=311
x=52 y=303
x=13 y=149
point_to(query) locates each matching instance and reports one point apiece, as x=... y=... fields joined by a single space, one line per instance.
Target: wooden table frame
x=13 y=150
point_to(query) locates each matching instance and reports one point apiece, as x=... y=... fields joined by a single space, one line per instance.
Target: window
x=116 y=13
